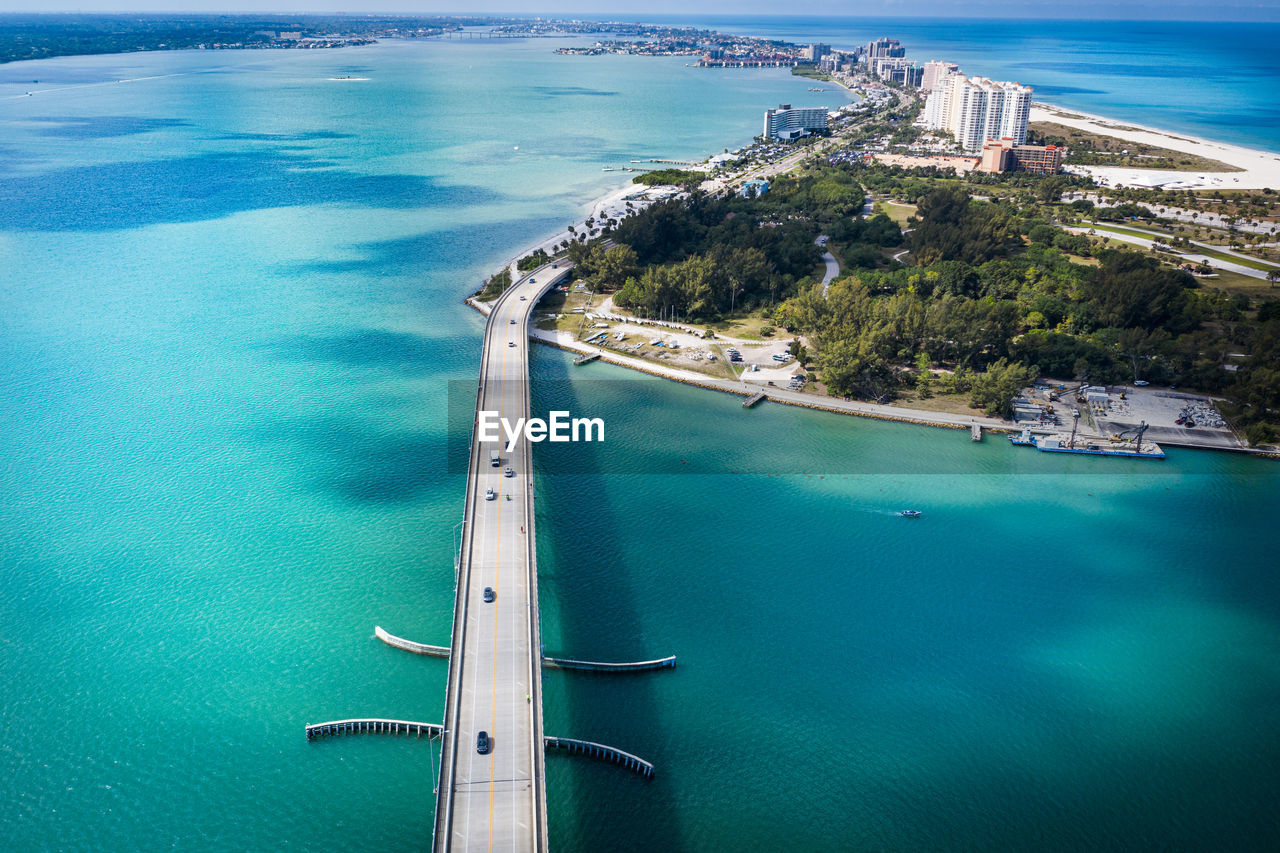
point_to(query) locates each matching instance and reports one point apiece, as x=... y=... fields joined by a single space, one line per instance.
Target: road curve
x=497 y=801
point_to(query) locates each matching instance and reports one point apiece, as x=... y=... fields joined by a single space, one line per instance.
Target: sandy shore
x=1261 y=169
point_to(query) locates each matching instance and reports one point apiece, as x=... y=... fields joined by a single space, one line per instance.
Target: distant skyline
x=1234 y=10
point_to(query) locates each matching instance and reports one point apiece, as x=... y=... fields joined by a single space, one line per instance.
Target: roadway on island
x=497 y=800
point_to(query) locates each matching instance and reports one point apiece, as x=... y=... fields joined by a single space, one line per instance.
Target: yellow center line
x=497 y=574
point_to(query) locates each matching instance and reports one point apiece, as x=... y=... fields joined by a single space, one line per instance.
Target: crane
x=1137 y=431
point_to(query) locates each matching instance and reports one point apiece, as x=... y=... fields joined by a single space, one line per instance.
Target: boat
x=1138 y=449
x=910 y=513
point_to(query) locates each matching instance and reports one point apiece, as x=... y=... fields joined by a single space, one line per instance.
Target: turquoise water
x=230 y=312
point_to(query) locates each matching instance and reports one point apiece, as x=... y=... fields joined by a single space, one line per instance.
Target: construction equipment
x=1137 y=431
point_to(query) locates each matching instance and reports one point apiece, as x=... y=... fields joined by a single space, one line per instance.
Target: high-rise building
x=788 y=123
x=976 y=109
x=884 y=66
x=934 y=71
x=814 y=52
x=884 y=47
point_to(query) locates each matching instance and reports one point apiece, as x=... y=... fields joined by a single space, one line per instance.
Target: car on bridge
x=489 y=595
x=482 y=743
x=511 y=343
x=507 y=472
x=490 y=495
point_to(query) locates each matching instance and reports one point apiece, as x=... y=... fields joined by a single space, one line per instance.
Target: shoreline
x=1260 y=169
x=833 y=405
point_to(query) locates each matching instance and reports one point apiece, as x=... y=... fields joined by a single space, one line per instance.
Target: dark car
x=482 y=743
x=488 y=593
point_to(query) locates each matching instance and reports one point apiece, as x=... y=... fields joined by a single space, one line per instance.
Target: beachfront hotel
x=975 y=109
x=787 y=123
x=1002 y=155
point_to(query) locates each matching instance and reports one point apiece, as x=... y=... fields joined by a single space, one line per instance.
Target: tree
x=950 y=227
x=994 y=389
x=613 y=266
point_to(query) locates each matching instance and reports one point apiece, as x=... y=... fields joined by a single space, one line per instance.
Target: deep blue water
x=1211 y=79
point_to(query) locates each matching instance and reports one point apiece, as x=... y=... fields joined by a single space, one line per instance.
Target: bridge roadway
x=497 y=801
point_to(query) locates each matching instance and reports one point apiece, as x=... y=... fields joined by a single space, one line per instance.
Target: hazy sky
x=1239 y=10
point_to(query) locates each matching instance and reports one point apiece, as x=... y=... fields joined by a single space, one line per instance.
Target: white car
x=507 y=472
x=490 y=495
x=523 y=299
x=513 y=321
x=511 y=343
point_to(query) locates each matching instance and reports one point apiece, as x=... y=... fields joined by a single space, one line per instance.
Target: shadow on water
x=102 y=127
x=576 y=527
x=380 y=453
x=400 y=352
x=360 y=462
x=112 y=196
x=416 y=253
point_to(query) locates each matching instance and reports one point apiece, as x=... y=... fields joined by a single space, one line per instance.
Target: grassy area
x=811 y=71
x=953 y=404
x=1236 y=282
x=748 y=327
x=896 y=211
x=1094 y=149
x=1251 y=263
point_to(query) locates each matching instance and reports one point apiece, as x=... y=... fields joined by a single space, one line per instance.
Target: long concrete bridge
x=497 y=799
x=492 y=792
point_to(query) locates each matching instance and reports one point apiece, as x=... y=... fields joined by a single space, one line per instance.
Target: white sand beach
x=1261 y=169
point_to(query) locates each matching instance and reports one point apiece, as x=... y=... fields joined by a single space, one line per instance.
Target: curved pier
x=603 y=753
x=372 y=726
x=554 y=663
x=600 y=666
x=410 y=645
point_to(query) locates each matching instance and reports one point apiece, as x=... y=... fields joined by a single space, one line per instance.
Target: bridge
x=497 y=799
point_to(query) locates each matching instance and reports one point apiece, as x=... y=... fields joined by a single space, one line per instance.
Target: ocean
x=231 y=313
x=1207 y=78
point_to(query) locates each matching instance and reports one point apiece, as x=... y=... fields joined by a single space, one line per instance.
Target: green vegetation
x=708 y=257
x=533 y=260
x=1092 y=149
x=995 y=293
x=810 y=70
x=677 y=177
x=1251 y=263
x=496 y=284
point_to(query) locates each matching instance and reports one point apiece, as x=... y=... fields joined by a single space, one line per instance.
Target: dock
x=372 y=726
x=547 y=661
x=753 y=399
x=603 y=753
x=586 y=358
x=604 y=666
x=975 y=431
